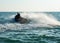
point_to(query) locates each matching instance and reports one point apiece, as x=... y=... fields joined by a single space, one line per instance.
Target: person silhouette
x=20 y=19
x=17 y=17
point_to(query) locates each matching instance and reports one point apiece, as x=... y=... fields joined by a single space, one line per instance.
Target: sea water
x=44 y=27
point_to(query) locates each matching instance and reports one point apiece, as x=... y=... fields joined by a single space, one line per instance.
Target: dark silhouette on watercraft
x=20 y=19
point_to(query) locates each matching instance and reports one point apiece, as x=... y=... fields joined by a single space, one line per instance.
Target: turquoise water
x=43 y=28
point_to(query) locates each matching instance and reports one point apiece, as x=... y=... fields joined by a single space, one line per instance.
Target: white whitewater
x=37 y=20
x=42 y=18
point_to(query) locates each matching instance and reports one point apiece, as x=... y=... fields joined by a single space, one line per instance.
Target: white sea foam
x=42 y=18
x=37 y=20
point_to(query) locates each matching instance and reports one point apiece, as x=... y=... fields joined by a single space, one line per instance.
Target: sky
x=29 y=5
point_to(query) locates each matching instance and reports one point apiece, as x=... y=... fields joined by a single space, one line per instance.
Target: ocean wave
x=7 y=40
x=32 y=39
x=37 y=20
x=43 y=28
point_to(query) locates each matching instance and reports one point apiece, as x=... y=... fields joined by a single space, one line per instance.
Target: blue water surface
x=33 y=32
